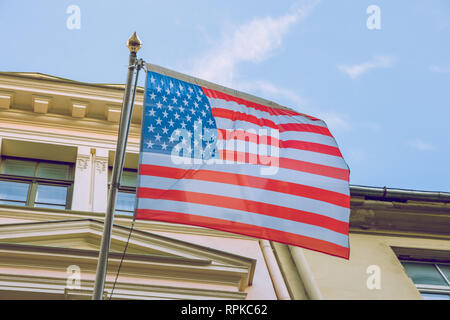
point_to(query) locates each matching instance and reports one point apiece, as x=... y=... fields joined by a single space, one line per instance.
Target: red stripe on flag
x=225 y=134
x=272 y=111
x=246 y=205
x=245 y=229
x=332 y=197
x=311 y=146
x=282 y=127
x=286 y=163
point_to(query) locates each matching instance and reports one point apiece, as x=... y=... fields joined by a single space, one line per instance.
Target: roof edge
x=48 y=77
x=399 y=194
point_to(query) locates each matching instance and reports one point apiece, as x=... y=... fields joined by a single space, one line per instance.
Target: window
x=126 y=195
x=431 y=279
x=35 y=183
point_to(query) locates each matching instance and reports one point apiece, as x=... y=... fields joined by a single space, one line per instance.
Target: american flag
x=213 y=159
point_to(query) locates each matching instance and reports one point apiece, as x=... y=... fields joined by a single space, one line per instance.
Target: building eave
x=398 y=211
x=48 y=77
x=396 y=194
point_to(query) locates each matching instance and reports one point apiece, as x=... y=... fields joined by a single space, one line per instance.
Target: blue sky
x=385 y=94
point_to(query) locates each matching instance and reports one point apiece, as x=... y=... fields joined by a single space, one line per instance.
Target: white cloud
x=250 y=42
x=336 y=122
x=253 y=42
x=270 y=91
x=420 y=145
x=356 y=70
x=439 y=69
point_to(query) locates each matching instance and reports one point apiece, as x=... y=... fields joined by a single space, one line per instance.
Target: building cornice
x=56 y=288
x=44 y=215
x=46 y=245
x=56 y=85
x=69 y=98
x=54 y=128
x=20 y=231
x=424 y=218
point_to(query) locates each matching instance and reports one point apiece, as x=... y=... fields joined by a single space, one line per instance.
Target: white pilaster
x=100 y=187
x=82 y=181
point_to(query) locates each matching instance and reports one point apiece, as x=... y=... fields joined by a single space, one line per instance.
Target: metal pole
x=134 y=45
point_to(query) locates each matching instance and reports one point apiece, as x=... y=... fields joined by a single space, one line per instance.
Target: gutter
x=399 y=194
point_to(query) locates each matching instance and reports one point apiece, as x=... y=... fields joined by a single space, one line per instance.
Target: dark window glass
x=22 y=168
x=129 y=178
x=53 y=171
x=424 y=273
x=431 y=279
x=35 y=183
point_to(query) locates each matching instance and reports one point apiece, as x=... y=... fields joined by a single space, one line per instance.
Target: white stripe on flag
x=228 y=124
x=308 y=156
x=248 y=193
x=293 y=176
x=277 y=119
x=246 y=217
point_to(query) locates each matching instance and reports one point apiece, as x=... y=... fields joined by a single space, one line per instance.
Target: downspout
x=274 y=271
x=305 y=273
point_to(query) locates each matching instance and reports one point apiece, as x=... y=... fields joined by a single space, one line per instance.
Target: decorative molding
x=101 y=166
x=64 y=139
x=44 y=215
x=79 y=109
x=164 y=257
x=87 y=128
x=72 y=89
x=56 y=287
x=73 y=96
x=420 y=217
x=5 y=99
x=83 y=162
x=41 y=104
x=112 y=113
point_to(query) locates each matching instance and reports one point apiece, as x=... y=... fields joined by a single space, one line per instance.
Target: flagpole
x=133 y=44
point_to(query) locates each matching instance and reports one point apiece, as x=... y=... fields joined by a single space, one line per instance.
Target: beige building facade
x=57 y=142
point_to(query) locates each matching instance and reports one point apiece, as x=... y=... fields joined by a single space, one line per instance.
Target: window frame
x=429 y=288
x=129 y=190
x=34 y=181
x=123 y=189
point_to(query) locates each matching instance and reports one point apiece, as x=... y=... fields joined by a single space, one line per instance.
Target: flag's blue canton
x=177 y=119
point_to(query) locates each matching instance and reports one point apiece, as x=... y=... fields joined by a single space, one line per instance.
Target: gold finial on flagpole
x=134 y=43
